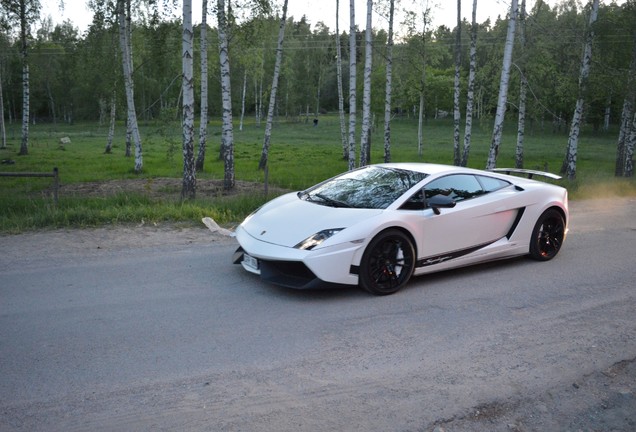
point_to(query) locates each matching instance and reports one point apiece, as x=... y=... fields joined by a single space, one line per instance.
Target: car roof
x=431 y=168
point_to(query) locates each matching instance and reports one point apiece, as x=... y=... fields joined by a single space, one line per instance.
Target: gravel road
x=150 y=328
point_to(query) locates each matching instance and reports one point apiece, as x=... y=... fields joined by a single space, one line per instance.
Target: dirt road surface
x=150 y=328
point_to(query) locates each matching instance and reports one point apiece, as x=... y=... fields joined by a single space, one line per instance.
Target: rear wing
x=527 y=172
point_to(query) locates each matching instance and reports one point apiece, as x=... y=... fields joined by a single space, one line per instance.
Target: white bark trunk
x=111 y=123
x=389 y=86
x=243 y=99
x=272 y=97
x=124 y=40
x=341 y=112
x=470 y=97
x=365 y=132
x=623 y=136
x=203 y=125
x=626 y=115
x=3 y=131
x=24 y=55
x=629 y=151
x=188 y=190
x=227 y=134
x=352 y=85
x=420 y=126
x=503 y=87
x=523 y=89
x=575 y=128
x=458 y=64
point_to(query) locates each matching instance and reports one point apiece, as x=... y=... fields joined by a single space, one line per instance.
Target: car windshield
x=373 y=187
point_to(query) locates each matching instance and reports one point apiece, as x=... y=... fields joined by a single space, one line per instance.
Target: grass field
x=300 y=156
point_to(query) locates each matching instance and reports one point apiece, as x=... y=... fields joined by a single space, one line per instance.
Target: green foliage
x=300 y=156
x=74 y=76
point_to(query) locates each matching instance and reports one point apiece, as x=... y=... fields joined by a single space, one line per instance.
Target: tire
x=547 y=236
x=387 y=263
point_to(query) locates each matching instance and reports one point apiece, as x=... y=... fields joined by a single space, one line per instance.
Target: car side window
x=491 y=184
x=457 y=186
x=416 y=202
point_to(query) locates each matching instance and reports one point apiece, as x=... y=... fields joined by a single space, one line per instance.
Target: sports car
x=378 y=225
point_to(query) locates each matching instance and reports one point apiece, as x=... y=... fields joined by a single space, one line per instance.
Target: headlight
x=316 y=239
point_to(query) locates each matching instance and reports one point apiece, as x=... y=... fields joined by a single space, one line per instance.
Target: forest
x=77 y=76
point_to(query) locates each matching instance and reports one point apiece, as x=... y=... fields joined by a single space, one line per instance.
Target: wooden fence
x=54 y=174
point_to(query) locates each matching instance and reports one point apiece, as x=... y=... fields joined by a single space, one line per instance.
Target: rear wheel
x=547 y=235
x=387 y=263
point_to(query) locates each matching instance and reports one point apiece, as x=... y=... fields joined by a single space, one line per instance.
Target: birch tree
x=575 y=127
x=227 y=134
x=629 y=150
x=3 y=131
x=626 y=115
x=458 y=64
x=470 y=97
x=503 y=87
x=365 y=137
x=341 y=112
x=352 y=84
x=126 y=54
x=523 y=88
x=272 y=96
x=203 y=125
x=23 y=12
x=188 y=189
x=389 y=86
x=111 y=123
x=243 y=95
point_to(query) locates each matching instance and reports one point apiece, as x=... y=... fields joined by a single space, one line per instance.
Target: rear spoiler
x=527 y=172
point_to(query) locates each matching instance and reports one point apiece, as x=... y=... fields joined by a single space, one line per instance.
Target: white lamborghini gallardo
x=379 y=225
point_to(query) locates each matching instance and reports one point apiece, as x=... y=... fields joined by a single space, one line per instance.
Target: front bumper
x=294 y=268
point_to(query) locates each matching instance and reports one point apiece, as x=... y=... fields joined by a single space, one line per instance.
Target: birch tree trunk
x=341 y=112
x=626 y=115
x=629 y=150
x=389 y=86
x=420 y=125
x=623 y=136
x=365 y=138
x=188 y=189
x=203 y=125
x=523 y=88
x=227 y=134
x=243 y=99
x=124 y=40
x=352 y=84
x=24 y=55
x=575 y=128
x=503 y=87
x=272 y=97
x=470 y=97
x=111 y=123
x=3 y=130
x=457 y=115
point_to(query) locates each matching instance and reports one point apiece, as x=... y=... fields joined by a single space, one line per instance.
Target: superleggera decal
x=424 y=262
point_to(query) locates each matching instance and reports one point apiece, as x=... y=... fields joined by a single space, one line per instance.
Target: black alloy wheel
x=547 y=236
x=387 y=263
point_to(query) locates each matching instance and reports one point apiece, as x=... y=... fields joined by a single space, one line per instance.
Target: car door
x=480 y=216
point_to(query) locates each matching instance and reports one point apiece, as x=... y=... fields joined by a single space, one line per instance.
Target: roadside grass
x=300 y=155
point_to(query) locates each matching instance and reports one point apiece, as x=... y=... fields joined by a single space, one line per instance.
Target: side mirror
x=440 y=201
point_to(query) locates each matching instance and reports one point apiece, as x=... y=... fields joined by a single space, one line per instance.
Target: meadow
x=99 y=189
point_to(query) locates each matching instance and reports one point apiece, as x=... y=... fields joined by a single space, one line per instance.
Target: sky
x=443 y=11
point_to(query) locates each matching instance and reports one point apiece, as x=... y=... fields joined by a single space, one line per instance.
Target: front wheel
x=387 y=263
x=547 y=236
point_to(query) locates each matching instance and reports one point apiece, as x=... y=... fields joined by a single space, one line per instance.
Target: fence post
x=56 y=184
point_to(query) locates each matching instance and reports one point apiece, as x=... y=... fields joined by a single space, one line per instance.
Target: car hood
x=288 y=220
